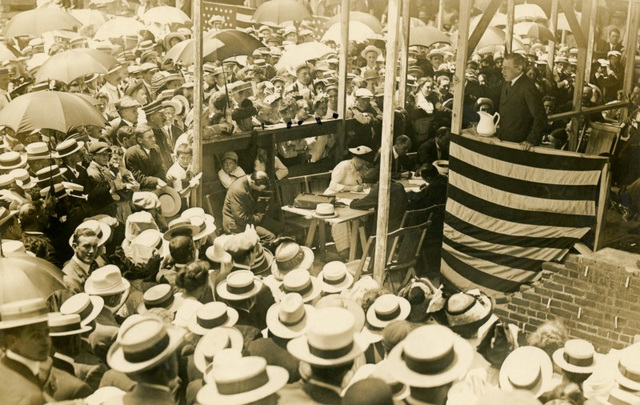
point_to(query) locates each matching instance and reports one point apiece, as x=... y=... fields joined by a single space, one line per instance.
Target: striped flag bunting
x=508 y=211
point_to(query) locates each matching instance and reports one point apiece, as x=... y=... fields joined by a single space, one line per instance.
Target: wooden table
x=355 y=219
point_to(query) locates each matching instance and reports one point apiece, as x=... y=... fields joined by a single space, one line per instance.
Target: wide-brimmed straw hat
x=335 y=277
x=246 y=381
x=526 y=368
x=577 y=356
x=215 y=340
x=170 y=201
x=180 y=226
x=23 y=313
x=12 y=160
x=239 y=285
x=337 y=301
x=101 y=229
x=431 y=356
x=290 y=256
x=66 y=325
x=144 y=344
x=86 y=306
x=386 y=309
x=467 y=311
x=330 y=341
x=212 y=315
x=303 y=283
x=204 y=222
x=290 y=317
x=106 y=281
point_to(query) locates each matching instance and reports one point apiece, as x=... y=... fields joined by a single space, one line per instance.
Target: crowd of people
x=159 y=303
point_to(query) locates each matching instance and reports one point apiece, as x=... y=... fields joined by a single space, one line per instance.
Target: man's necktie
x=508 y=87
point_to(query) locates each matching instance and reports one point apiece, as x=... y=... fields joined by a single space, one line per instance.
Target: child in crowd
x=230 y=171
x=180 y=175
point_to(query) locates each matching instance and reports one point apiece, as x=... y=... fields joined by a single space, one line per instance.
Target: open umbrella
x=533 y=30
x=89 y=17
x=69 y=65
x=279 y=11
x=216 y=45
x=184 y=51
x=24 y=276
x=36 y=61
x=498 y=20
x=8 y=52
x=51 y=110
x=38 y=21
x=366 y=18
x=301 y=53
x=563 y=24
x=358 y=32
x=118 y=28
x=529 y=12
x=165 y=15
x=427 y=36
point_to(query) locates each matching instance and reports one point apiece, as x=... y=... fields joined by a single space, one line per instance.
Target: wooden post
x=511 y=7
x=553 y=27
x=591 y=41
x=603 y=196
x=404 y=53
x=461 y=66
x=629 y=50
x=342 y=80
x=196 y=195
x=440 y=14
x=387 y=141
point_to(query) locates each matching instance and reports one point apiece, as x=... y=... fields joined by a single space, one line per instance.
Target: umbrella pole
x=388 y=112
x=342 y=80
x=196 y=194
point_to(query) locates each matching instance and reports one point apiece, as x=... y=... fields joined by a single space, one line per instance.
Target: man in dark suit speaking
x=522 y=115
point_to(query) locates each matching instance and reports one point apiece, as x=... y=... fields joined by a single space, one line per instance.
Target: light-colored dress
x=344 y=174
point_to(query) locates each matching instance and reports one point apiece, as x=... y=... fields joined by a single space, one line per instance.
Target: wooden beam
x=553 y=27
x=388 y=115
x=484 y=22
x=342 y=78
x=629 y=50
x=461 y=62
x=405 y=28
x=196 y=194
x=440 y=14
x=580 y=73
x=591 y=41
x=576 y=29
x=511 y=8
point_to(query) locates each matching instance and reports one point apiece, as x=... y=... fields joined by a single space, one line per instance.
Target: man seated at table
x=397 y=204
x=246 y=203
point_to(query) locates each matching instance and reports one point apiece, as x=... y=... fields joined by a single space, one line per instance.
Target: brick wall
x=596 y=300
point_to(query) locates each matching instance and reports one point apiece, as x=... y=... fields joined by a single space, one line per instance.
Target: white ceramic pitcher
x=487 y=124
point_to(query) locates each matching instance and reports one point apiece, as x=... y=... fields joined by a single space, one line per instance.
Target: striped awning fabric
x=508 y=211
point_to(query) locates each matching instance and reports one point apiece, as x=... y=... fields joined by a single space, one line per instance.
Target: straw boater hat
x=180 y=226
x=22 y=313
x=337 y=301
x=371 y=48
x=170 y=201
x=66 y=325
x=214 y=341
x=204 y=222
x=12 y=160
x=335 y=277
x=527 y=368
x=619 y=396
x=290 y=256
x=330 y=341
x=577 y=356
x=290 y=317
x=145 y=200
x=303 y=283
x=212 y=315
x=38 y=151
x=106 y=281
x=160 y=296
x=86 y=306
x=144 y=344
x=247 y=380
x=102 y=230
x=216 y=252
x=628 y=370
x=386 y=309
x=467 y=311
x=239 y=285
x=67 y=147
x=431 y=356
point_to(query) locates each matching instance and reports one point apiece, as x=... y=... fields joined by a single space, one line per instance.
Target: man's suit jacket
x=165 y=147
x=98 y=194
x=239 y=207
x=68 y=387
x=19 y=385
x=522 y=114
x=397 y=202
x=146 y=168
x=75 y=276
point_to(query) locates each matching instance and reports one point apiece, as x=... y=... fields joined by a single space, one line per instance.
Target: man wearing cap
x=230 y=170
x=303 y=86
x=27 y=345
x=368 y=121
x=144 y=160
x=245 y=204
x=523 y=119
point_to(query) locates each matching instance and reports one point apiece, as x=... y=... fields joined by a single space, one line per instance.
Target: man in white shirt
x=111 y=89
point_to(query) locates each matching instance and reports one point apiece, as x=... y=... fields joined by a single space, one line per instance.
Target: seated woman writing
x=348 y=175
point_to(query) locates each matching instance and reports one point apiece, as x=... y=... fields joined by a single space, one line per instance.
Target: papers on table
x=345 y=201
x=417 y=182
